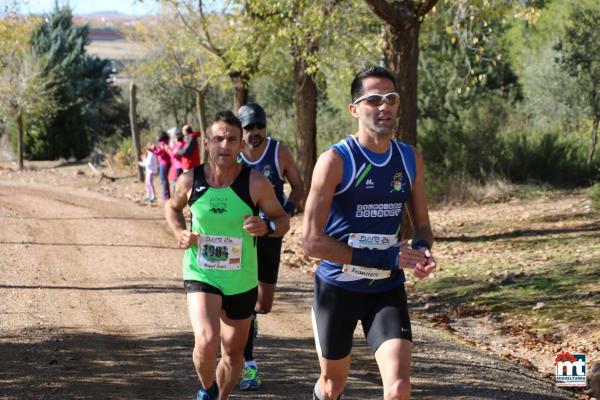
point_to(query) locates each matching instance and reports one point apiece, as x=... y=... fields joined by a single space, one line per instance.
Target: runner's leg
x=266 y=294
x=269 y=254
x=233 y=339
x=394 y=358
x=204 y=310
x=335 y=313
x=389 y=334
x=334 y=374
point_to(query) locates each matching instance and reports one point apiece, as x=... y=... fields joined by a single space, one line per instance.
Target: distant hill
x=107 y=13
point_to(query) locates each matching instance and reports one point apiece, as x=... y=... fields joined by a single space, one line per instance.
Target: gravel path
x=92 y=308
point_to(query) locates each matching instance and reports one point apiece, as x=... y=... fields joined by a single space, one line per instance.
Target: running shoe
x=203 y=395
x=211 y=394
x=340 y=397
x=250 y=379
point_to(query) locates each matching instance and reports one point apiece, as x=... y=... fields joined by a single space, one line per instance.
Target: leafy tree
x=297 y=27
x=81 y=86
x=227 y=36
x=312 y=33
x=176 y=61
x=22 y=91
x=401 y=25
x=465 y=97
x=580 y=58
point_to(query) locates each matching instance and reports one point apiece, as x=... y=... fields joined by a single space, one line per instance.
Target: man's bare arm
x=263 y=195
x=327 y=175
x=417 y=208
x=174 y=210
x=417 y=205
x=292 y=174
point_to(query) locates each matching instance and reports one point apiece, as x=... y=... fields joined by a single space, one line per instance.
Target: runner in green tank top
x=219 y=265
x=225 y=255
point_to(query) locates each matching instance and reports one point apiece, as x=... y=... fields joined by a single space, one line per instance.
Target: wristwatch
x=271 y=227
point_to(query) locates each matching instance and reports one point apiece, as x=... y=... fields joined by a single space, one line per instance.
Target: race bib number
x=369 y=241
x=219 y=252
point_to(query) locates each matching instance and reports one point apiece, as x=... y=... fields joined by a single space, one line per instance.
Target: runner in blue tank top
x=274 y=161
x=352 y=222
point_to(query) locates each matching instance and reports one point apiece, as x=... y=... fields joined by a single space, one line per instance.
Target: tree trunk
x=401 y=56
x=135 y=134
x=401 y=21
x=594 y=141
x=201 y=115
x=240 y=90
x=306 y=121
x=19 y=121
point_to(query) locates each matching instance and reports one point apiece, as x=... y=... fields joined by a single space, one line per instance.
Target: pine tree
x=81 y=87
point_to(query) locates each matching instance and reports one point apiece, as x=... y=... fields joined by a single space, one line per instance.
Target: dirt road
x=91 y=307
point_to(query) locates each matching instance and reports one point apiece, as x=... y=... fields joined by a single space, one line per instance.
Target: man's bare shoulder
x=332 y=158
x=329 y=168
x=258 y=180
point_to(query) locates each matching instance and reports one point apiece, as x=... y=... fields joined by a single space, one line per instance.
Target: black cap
x=252 y=113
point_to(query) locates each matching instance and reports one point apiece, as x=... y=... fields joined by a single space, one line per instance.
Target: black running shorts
x=336 y=311
x=237 y=306
x=268 y=251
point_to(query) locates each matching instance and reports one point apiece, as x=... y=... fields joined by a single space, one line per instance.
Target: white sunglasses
x=378 y=99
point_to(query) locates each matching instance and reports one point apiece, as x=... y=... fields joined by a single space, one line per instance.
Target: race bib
x=369 y=241
x=366 y=273
x=219 y=252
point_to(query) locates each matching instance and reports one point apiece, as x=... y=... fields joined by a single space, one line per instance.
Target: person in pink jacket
x=164 y=162
x=176 y=166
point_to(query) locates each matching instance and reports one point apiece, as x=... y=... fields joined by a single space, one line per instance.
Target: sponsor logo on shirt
x=380 y=210
x=267 y=171
x=218 y=205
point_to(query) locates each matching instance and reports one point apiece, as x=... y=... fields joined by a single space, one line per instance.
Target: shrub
x=546 y=157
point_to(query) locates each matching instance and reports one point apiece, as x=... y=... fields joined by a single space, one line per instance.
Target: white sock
x=251 y=363
x=317 y=392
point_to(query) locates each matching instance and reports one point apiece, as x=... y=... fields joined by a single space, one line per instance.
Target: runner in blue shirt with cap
x=273 y=160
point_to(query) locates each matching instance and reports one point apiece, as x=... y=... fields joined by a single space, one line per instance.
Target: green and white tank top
x=225 y=255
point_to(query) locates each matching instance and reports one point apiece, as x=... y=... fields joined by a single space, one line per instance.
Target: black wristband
x=269 y=224
x=421 y=243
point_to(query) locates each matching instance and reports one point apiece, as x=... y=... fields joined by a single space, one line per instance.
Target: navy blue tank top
x=366 y=211
x=268 y=165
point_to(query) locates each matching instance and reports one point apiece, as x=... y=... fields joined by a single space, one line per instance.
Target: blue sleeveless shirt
x=366 y=211
x=268 y=165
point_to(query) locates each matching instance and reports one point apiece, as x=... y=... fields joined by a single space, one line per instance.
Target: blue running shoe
x=202 y=395
x=210 y=394
x=250 y=379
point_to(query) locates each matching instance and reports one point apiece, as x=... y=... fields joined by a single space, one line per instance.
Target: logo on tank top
x=398 y=183
x=267 y=171
x=218 y=205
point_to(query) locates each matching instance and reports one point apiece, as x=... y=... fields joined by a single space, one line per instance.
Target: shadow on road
x=83 y=365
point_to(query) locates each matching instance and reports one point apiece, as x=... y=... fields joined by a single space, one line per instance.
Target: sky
x=131 y=7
